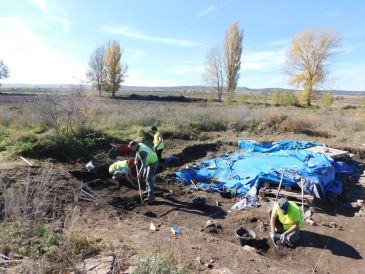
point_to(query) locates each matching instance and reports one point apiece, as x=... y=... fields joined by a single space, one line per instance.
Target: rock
x=211 y=227
x=97 y=265
x=249 y=248
x=310 y=221
x=360 y=202
x=354 y=204
x=333 y=224
x=199 y=260
x=209 y=265
x=308 y=214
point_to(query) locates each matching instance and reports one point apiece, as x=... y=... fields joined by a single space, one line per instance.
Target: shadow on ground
x=337 y=247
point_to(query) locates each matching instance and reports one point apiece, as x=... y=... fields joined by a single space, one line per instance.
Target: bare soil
x=118 y=218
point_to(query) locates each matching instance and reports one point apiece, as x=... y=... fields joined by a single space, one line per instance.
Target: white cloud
x=187 y=69
x=42 y=5
x=206 y=11
x=262 y=60
x=135 y=54
x=136 y=78
x=31 y=60
x=282 y=42
x=139 y=35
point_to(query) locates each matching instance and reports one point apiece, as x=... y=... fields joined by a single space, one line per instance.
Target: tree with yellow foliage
x=233 y=41
x=114 y=70
x=307 y=60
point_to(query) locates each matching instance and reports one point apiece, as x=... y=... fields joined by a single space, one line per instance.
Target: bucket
x=90 y=166
x=245 y=236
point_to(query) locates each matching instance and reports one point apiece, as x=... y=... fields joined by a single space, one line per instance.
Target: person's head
x=283 y=205
x=153 y=129
x=133 y=145
x=130 y=163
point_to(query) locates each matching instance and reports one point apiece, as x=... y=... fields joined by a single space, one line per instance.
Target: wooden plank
x=332 y=152
x=296 y=195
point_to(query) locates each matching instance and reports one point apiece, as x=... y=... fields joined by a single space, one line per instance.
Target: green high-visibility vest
x=117 y=166
x=151 y=155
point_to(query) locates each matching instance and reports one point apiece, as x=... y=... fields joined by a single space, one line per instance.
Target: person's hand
x=272 y=236
x=114 y=178
x=282 y=238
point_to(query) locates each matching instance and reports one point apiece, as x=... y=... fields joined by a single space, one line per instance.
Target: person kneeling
x=123 y=170
x=287 y=219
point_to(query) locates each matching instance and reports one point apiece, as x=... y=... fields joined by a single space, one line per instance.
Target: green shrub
x=28 y=240
x=288 y=99
x=242 y=99
x=229 y=98
x=159 y=264
x=327 y=100
x=275 y=97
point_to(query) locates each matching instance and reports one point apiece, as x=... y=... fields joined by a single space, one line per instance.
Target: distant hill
x=184 y=89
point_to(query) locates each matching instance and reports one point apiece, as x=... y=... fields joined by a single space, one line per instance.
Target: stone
x=310 y=221
x=308 y=214
x=333 y=224
x=354 y=205
x=360 y=202
x=209 y=265
x=97 y=265
x=249 y=248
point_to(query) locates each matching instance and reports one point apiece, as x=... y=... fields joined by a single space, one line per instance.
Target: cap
x=132 y=144
x=130 y=162
x=283 y=205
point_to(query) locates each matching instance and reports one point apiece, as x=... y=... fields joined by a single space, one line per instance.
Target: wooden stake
x=25 y=160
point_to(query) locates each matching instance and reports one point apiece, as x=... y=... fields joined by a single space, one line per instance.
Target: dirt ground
x=116 y=217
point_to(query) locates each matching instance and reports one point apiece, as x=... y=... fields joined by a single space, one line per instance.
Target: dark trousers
x=159 y=154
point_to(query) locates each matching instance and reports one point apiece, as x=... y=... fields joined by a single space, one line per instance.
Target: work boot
x=147 y=200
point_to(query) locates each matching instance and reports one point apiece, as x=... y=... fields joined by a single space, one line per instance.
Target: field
x=48 y=223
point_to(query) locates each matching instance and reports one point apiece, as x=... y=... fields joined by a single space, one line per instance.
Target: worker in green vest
x=149 y=165
x=287 y=219
x=123 y=170
x=158 y=144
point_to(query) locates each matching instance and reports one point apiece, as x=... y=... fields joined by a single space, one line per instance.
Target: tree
x=96 y=68
x=215 y=70
x=114 y=72
x=307 y=59
x=4 y=70
x=232 y=56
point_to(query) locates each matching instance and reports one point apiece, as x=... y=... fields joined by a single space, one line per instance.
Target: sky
x=165 y=43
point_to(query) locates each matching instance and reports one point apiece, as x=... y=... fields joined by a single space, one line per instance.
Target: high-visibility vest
x=294 y=214
x=117 y=166
x=151 y=155
x=155 y=141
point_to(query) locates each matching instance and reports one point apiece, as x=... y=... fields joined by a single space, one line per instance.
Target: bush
x=327 y=100
x=288 y=99
x=275 y=98
x=242 y=99
x=159 y=264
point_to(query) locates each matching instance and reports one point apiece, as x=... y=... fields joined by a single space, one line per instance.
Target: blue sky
x=165 y=42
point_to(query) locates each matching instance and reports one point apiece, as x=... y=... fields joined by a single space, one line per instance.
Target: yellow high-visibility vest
x=155 y=141
x=294 y=214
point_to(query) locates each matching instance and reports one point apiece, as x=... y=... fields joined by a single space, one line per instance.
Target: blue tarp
x=255 y=162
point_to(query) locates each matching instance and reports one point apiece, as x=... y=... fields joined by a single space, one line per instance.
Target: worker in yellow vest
x=158 y=144
x=287 y=219
x=123 y=170
x=149 y=165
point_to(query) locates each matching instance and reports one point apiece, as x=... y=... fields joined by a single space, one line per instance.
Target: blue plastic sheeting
x=244 y=170
x=276 y=146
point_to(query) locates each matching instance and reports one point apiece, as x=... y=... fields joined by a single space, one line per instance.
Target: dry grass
x=126 y=118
